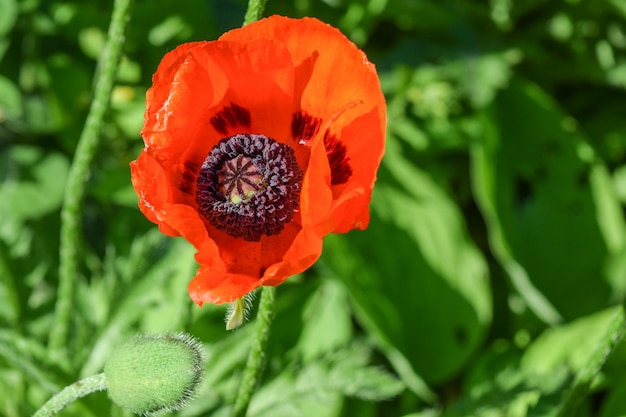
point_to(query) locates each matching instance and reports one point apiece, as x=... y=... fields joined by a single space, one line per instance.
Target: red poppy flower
x=257 y=146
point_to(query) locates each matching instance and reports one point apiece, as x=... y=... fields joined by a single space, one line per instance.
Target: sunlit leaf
x=418 y=282
x=33 y=184
x=8 y=17
x=10 y=100
x=317 y=387
x=535 y=181
x=553 y=349
x=327 y=324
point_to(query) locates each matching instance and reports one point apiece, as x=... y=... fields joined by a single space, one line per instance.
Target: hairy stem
x=71 y=212
x=256 y=357
x=72 y=393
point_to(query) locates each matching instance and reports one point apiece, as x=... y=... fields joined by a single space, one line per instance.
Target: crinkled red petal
x=338 y=85
x=278 y=77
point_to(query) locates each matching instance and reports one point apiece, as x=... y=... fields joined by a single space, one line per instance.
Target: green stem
x=255 y=11
x=255 y=362
x=71 y=212
x=72 y=393
x=582 y=383
x=256 y=358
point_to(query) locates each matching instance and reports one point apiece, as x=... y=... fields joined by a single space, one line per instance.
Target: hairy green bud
x=152 y=374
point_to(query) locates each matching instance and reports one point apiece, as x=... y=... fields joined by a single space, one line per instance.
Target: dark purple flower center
x=249 y=186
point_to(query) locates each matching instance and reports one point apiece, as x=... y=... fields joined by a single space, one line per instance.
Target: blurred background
x=496 y=254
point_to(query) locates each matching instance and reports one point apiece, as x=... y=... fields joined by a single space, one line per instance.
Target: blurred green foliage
x=496 y=252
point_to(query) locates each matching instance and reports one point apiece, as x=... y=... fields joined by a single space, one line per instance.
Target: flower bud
x=154 y=373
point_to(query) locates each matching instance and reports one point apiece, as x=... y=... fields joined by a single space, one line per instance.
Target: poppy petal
x=337 y=68
x=211 y=286
x=300 y=83
x=305 y=250
x=218 y=284
x=328 y=75
x=152 y=188
x=365 y=149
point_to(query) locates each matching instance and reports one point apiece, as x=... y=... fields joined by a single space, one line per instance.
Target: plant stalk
x=256 y=357
x=71 y=212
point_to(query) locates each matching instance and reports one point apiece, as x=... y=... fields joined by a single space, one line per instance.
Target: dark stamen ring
x=249 y=186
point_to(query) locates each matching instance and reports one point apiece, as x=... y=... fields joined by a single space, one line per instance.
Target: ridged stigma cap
x=151 y=374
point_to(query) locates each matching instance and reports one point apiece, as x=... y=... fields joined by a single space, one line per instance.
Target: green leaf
x=482 y=76
x=513 y=393
x=317 y=388
x=155 y=299
x=419 y=284
x=425 y=413
x=9 y=297
x=92 y=41
x=297 y=395
x=8 y=17
x=112 y=185
x=173 y=27
x=498 y=386
x=33 y=183
x=615 y=403
x=10 y=99
x=608 y=208
x=12 y=387
x=552 y=350
x=350 y=375
x=545 y=199
x=327 y=324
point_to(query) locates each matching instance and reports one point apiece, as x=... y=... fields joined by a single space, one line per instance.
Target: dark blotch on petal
x=304 y=126
x=340 y=170
x=232 y=115
x=188 y=177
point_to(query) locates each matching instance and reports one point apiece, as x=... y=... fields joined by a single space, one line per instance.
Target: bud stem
x=71 y=393
x=256 y=358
